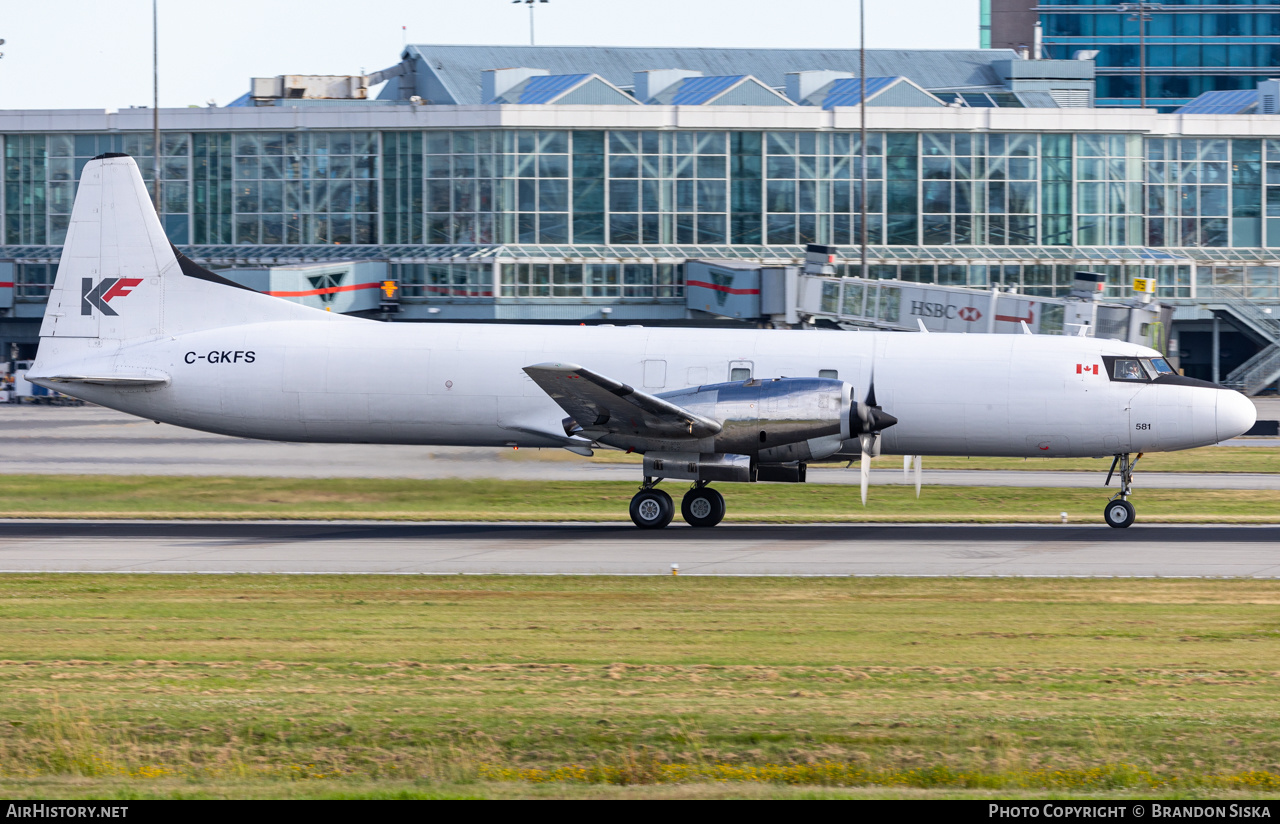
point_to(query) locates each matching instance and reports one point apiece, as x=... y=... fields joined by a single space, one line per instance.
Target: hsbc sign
x=924 y=309
x=98 y=296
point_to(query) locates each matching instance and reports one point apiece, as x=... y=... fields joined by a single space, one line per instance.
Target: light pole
x=862 y=132
x=1141 y=11
x=155 y=103
x=530 y=4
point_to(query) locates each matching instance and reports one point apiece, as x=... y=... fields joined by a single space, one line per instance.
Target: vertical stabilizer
x=109 y=282
x=120 y=279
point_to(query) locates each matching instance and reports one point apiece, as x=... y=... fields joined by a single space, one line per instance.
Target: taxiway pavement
x=621 y=549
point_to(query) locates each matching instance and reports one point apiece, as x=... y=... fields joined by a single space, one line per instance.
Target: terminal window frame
x=304 y=188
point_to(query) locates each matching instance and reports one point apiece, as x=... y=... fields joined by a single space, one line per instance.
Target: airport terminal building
x=575 y=184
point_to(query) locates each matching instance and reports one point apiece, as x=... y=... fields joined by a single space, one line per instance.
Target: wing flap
x=601 y=405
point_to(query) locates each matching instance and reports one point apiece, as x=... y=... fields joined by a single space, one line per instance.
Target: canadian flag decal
x=1086 y=369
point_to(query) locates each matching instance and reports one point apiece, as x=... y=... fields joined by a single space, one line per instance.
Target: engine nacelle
x=693 y=466
x=778 y=420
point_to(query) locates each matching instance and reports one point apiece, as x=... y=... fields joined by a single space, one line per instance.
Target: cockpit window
x=1125 y=369
x=1136 y=370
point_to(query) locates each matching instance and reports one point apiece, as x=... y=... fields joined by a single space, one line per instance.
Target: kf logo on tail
x=97 y=297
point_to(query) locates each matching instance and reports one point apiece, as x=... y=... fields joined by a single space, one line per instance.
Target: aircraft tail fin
x=120 y=278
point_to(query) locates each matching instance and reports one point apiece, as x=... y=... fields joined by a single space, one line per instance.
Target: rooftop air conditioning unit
x=1269 y=96
x=1070 y=98
x=266 y=87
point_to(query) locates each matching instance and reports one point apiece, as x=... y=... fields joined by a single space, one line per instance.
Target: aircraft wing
x=602 y=405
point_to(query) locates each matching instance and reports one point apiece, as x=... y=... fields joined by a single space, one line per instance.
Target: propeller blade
x=864 y=466
x=919 y=473
x=870 y=443
x=906 y=467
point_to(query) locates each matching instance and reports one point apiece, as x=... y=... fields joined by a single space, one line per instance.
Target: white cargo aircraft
x=133 y=325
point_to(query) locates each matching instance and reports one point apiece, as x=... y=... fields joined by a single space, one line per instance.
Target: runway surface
x=91 y=440
x=549 y=549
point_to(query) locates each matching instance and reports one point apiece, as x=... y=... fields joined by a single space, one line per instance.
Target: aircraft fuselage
x=462 y=384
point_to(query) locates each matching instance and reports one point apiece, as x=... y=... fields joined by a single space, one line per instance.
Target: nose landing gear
x=1119 y=513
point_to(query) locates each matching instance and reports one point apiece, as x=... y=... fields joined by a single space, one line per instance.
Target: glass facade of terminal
x=619 y=206
x=1193 y=46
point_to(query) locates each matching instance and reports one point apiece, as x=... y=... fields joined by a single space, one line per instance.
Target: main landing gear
x=1119 y=513
x=702 y=506
x=651 y=508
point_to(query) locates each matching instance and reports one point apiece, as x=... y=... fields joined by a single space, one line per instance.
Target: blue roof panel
x=1238 y=102
x=452 y=73
x=545 y=88
x=847 y=91
x=694 y=91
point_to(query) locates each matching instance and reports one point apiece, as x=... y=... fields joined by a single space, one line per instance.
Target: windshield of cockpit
x=1139 y=369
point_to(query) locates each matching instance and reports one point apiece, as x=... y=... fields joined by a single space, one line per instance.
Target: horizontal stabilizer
x=122 y=380
x=602 y=405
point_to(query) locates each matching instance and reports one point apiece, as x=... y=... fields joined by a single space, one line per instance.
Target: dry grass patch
x=316 y=686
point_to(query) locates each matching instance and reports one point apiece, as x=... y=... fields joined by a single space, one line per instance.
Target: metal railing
x=1240 y=305
x=1257 y=373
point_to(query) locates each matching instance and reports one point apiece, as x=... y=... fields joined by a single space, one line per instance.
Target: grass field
x=115 y=496
x=330 y=686
x=1251 y=459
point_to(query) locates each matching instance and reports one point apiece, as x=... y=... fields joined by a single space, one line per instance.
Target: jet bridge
x=790 y=295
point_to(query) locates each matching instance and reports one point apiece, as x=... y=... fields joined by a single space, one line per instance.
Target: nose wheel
x=702 y=507
x=1119 y=513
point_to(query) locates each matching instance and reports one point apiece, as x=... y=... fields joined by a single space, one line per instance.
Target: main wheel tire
x=1119 y=514
x=702 y=507
x=652 y=509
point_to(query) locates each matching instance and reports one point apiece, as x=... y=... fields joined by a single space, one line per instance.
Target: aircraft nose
x=1236 y=414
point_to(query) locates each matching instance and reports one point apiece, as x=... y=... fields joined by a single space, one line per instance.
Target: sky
x=85 y=54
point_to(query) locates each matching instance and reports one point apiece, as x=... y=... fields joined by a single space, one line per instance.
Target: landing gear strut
x=651 y=508
x=1119 y=513
x=702 y=506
